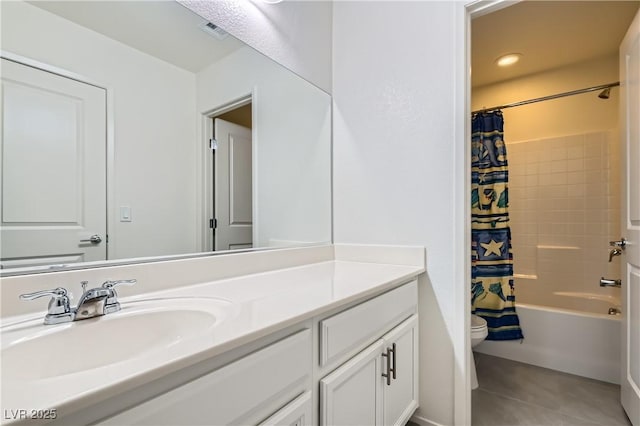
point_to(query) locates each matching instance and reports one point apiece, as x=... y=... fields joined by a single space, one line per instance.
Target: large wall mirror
x=138 y=130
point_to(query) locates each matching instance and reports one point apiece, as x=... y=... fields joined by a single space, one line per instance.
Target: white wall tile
x=575 y=164
x=594 y=163
x=565 y=196
x=558 y=166
x=576 y=150
x=574 y=177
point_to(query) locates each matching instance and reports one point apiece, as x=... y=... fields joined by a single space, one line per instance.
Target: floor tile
x=489 y=409
x=575 y=397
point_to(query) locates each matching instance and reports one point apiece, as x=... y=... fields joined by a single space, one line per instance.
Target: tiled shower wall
x=564 y=198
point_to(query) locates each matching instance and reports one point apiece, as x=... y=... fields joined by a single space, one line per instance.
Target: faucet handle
x=55 y=293
x=112 y=304
x=618 y=244
x=59 y=307
x=111 y=284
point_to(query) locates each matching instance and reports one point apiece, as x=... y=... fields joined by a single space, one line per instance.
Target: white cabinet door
x=379 y=386
x=401 y=394
x=352 y=394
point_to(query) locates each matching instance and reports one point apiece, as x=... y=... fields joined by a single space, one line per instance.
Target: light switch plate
x=125 y=214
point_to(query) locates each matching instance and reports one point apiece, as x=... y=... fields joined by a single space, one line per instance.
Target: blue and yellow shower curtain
x=492 y=292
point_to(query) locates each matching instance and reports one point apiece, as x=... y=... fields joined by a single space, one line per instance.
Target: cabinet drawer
x=296 y=413
x=364 y=323
x=246 y=391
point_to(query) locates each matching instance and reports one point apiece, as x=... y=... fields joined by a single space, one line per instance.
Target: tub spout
x=610 y=283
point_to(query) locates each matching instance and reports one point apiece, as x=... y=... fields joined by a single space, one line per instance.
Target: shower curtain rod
x=546 y=98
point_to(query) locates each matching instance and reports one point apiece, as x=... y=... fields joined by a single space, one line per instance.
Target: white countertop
x=262 y=303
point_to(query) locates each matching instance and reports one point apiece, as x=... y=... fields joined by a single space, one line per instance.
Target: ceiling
x=159 y=28
x=549 y=34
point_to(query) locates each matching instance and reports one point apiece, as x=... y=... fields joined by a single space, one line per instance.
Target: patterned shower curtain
x=492 y=295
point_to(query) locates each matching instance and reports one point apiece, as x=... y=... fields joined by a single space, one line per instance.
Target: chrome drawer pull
x=393 y=369
x=389 y=369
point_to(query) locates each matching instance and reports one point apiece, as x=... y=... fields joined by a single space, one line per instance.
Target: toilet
x=478 y=334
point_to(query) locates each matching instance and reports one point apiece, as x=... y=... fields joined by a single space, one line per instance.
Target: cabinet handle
x=388 y=373
x=393 y=351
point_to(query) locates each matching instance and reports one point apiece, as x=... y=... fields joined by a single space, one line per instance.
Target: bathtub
x=584 y=341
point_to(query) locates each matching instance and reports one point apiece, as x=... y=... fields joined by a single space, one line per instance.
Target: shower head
x=605 y=93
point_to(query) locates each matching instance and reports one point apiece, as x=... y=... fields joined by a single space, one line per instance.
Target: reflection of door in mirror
x=53 y=199
x=232 y=186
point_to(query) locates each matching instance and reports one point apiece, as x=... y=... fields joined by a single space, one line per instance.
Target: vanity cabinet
x=357 y=366
x=378 y=386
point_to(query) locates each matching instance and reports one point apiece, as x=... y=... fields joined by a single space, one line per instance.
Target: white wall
x=297 y=34
x=154 y=106
x=396 y=147
x=292 y=136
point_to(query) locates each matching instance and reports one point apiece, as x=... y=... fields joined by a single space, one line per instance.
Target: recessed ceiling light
x=509 y=59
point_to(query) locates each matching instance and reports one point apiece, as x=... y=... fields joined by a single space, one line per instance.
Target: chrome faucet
x=604 y=282
x=93 y=302
x=614 y=252
x=618 y=248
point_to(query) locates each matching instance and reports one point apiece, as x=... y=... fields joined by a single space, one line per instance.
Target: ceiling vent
x=214 y=30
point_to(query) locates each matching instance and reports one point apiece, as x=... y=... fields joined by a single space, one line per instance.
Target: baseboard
x=423 y=421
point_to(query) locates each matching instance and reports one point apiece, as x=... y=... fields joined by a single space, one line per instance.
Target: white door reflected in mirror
x=233 y=206
x=53 y=168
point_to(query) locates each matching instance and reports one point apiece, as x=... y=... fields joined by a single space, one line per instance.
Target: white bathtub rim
x=589 y=296
x=567 y=311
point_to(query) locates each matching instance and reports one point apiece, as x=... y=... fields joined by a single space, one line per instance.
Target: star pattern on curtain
x=492 y=247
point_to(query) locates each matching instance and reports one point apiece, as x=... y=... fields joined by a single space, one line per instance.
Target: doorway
x=231 y=198
x=564 y=171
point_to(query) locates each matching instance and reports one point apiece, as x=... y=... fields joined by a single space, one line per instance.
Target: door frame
x=110 y=128
x=464 y=12
x=205 y=185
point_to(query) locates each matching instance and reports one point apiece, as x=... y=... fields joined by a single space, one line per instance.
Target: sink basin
x=33 y=351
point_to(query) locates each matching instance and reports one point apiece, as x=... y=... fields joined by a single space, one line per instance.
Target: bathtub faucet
x=618 y=248
x=614 y=252
x=610 y=283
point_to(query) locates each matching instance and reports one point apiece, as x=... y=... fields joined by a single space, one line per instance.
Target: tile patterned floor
x=515 y=394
